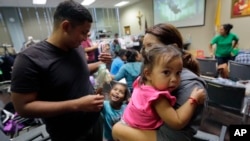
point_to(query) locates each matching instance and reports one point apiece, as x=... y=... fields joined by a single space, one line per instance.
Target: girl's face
x=165 y=76
x=117 y=93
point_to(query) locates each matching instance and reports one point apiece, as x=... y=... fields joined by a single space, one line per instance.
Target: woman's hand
x=211 y=54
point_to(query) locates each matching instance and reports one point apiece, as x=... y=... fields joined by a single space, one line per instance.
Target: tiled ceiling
x=54 y=3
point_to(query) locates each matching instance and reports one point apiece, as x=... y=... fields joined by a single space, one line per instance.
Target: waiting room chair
x=205 y=136
x=224 y=98
x=238 y=71
x=3 y=136
x=36 y=134
x=208 y=67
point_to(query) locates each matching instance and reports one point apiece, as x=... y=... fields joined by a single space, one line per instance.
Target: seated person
x=243 y=58
x=131 y=70
x=118 y=61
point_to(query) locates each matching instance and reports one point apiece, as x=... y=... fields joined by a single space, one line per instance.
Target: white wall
x=128 y=16
x=201 y=35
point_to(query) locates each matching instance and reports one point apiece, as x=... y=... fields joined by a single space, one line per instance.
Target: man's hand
x=90 y=103
x=105 y=57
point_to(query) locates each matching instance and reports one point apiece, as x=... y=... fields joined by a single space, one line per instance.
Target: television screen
x=180 y=13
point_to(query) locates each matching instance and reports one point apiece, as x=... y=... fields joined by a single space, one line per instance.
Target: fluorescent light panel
x=122 y=3
x=87 y=2
x=39 y=1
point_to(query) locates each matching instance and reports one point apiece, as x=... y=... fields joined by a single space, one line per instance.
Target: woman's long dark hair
x=168 y=34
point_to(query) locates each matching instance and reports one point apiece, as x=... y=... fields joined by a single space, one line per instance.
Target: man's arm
x=28 y=105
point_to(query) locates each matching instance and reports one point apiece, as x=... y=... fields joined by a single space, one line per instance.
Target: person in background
x=90 y=48
x=139 y=41
x=167 y=34
x=28 y=43
x=120 y=41
x=118 y=61
x=151 y=101
x=55 y=85
x=115 y=47
x=114 y=108
x=243 y=58
x=131 y=70
x=225 y=43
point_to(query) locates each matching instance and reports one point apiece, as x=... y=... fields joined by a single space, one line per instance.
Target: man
x=51 y=79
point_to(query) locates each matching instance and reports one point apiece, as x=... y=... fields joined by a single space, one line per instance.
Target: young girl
x=151 y=102
x=113 y=109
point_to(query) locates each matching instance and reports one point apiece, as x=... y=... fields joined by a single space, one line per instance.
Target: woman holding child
x=167 y=34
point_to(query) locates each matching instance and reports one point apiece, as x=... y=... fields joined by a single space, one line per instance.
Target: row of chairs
x=226 y=98
x=237 y=71
x=222 y=97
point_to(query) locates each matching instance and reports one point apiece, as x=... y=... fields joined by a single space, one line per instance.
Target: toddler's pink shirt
x=139 y=112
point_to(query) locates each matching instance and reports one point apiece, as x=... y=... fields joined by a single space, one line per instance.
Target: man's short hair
x=73 y=12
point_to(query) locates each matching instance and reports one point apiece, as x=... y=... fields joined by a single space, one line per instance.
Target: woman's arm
x=211 y=49
x=235 y=43
x=88 y=49
x=123 y=132
x=120 y=74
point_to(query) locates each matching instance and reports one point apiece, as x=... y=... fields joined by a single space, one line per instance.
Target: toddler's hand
x=199 y=95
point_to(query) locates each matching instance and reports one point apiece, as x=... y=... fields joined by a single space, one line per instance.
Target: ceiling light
x=122 y=3
x=87 y=2
x=39 y=1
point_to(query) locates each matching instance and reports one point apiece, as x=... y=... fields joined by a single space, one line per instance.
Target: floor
x=213 y=122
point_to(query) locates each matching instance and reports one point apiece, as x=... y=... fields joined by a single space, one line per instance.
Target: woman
x=225 y=43
x=167 y=34
x=131 y=70
x=118 y=61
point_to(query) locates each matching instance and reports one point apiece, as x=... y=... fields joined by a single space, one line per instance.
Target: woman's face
x=149 y=40
x=222 y=30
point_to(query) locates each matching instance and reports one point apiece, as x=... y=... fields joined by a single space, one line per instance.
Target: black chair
x=35 y=134
x=208 y=67
x=238 y=71
x=221 y=98
x=205 y=136
x=3 y=136
x=226 y=97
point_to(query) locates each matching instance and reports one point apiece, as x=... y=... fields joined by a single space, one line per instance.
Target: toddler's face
x=166 y=76
x=117 y=93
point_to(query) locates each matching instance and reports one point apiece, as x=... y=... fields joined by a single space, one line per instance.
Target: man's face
x=76 y=34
